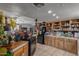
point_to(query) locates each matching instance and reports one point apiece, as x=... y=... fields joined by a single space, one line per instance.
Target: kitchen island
x=69 y=44
x=19 y=48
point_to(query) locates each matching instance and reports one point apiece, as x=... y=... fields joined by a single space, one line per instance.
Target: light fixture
x=50 y=11
x=39 y=5
x=57 y=17
x=61 y=5
x=54 y=14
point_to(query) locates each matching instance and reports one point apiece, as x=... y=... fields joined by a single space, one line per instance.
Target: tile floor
x=44 y=50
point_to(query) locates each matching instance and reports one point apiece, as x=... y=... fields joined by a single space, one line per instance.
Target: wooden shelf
x=56 y=25
x=75 y=21
x=66 y=25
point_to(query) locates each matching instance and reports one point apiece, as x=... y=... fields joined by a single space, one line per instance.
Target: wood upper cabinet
x=71 y=45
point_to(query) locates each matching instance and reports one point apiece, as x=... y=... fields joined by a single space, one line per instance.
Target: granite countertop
x=62 y=37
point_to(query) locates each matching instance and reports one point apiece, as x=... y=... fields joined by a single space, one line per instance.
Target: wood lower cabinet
x=21 y=50
x=53 y=41
x=56 y=43
x=62 y=43
x=50 y=41
x=70 y=45
x=59 y=43
x=18 y=52
x=25 y=50
x=46 y=40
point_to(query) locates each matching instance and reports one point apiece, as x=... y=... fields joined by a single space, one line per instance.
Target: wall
x=25 y=21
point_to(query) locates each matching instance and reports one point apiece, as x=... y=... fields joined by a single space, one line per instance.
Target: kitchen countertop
x=63 y=37
x=16 y=45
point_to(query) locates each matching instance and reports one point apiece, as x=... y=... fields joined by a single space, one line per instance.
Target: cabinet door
x=71 y=45
x=50 y=41
x=61 y=43
x=26 y=50
x=56 y=42
x=19 y=52
x=67 y=44
x=53 y=41
x=46 y=40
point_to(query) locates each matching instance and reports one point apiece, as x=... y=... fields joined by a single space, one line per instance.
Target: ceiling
x=62 y=10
